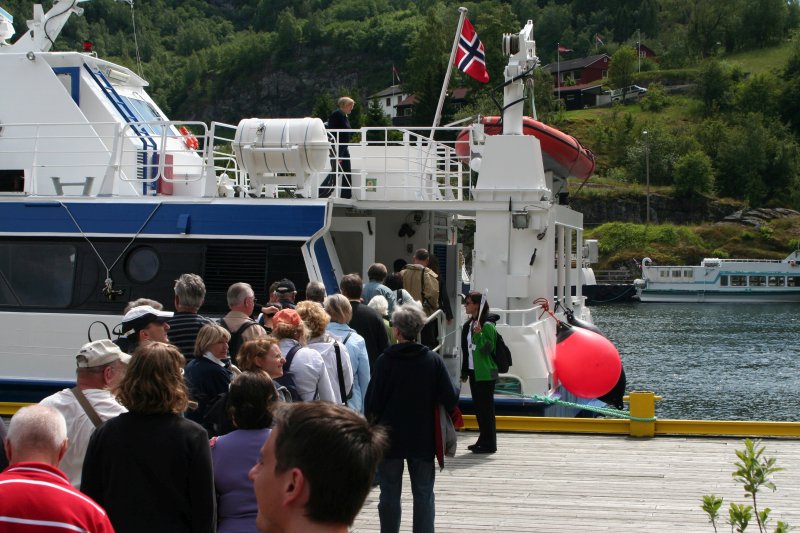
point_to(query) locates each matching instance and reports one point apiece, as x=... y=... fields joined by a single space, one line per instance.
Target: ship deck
x=590 y=483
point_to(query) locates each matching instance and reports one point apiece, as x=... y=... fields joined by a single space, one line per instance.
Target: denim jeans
x=422 y=474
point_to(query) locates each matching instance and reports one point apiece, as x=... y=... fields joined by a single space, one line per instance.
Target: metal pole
x=462 y=14
x=647 y=173
x=639 y=49
x=558 y=70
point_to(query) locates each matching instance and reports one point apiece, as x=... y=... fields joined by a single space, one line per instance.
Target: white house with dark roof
x=389 y=98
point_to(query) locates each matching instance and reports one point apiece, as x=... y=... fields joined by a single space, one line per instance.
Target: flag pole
x=462 y=14
x=558 y=69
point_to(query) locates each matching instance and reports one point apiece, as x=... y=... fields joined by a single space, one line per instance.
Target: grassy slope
x=669 y=244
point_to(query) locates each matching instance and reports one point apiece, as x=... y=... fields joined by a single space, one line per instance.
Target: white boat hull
x=722 y=281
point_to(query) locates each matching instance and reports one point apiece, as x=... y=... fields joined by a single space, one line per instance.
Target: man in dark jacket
x=366 y=321
x=409 y=381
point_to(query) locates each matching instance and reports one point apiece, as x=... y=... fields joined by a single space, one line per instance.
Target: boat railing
x=402 y=164
x=105 y=158
x=190 y=158
x=750 y=260
x=518 y=317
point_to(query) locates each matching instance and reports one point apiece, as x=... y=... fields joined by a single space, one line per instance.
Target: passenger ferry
x=103 y=199
x=722 y=280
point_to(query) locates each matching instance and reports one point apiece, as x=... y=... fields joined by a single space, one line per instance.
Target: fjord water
x=710 y=361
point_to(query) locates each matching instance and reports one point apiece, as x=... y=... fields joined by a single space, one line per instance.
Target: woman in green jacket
x=478 y=338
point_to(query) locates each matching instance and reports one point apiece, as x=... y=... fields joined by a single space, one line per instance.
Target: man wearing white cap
x=145 y=323
x=101 y=365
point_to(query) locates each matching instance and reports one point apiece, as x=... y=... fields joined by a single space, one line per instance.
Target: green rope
x=607 y=411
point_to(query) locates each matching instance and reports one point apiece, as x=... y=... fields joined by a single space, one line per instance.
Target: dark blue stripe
x=29 y=390
x=118 y=218
x=326 y=267
x=75 y=81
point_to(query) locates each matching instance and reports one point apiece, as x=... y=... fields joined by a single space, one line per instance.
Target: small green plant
x=753 y=471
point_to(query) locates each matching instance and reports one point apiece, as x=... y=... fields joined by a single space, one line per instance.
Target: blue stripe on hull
x=29 y=390
x=119 y=218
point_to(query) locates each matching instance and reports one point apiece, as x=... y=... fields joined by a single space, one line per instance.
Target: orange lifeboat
x=562 y=153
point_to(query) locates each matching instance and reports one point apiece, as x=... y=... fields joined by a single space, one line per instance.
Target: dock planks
x=590 y=483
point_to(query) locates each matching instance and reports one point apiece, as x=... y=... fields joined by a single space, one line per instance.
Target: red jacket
x=37 y=497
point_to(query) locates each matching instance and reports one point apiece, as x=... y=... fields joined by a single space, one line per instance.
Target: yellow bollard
x=643 y=405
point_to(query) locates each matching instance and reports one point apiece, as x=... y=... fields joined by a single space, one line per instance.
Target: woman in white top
x=339 y=309
x=316 y=320
x=304 y=370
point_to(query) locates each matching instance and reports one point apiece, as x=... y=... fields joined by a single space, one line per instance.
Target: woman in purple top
x=251 y=399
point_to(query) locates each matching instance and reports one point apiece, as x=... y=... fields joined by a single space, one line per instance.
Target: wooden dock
x=539 y=482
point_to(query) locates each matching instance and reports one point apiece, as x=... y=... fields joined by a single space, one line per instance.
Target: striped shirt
x=183 y=328
x=37 y=497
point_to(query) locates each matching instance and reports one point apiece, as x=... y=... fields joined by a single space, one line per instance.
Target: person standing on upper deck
x=339 y=121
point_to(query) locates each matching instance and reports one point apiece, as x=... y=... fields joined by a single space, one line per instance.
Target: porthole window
x=142 y=264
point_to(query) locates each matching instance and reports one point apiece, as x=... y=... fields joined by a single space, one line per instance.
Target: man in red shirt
x=34 y=494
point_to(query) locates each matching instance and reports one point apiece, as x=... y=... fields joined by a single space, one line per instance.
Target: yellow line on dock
x=9 y=408
x=605 y=426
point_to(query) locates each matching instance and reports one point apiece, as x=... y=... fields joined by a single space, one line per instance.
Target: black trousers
x=483 y=402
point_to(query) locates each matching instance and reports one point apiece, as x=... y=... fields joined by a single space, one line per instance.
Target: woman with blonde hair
x=151 y=458
x=264 y=355
x=304 y=372
x=333 y=352
x=206 y=374
x=338 y=308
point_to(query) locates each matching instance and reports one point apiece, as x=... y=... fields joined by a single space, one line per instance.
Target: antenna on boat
x=135 y=39
x=521 y=49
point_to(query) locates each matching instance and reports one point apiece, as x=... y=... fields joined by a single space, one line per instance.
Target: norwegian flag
x=471 y=56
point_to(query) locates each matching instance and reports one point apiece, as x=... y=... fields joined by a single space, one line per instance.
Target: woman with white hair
x=381 y=305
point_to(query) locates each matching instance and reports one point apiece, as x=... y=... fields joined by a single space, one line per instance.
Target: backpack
x=287 y=379
x=236 y=336
x=501 y=355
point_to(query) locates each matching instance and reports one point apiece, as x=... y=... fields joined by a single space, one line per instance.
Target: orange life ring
x=188 y=138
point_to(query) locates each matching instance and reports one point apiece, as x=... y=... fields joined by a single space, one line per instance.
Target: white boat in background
x=722 y=280
x=103 y=199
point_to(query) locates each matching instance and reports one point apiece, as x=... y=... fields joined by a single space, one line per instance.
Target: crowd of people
x=326 y=396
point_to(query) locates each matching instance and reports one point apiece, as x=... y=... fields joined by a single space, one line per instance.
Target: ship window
x=663 y=273
x=738 y=281
x=776 y=281
x=142 y=264
x=688 y=274
x=723 y=281
x=26 y=280
x=758 y=281
x=145 y=112
x=676 y=273
x=793 y=281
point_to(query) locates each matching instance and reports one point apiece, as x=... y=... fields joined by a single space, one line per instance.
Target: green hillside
x=722 y=110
